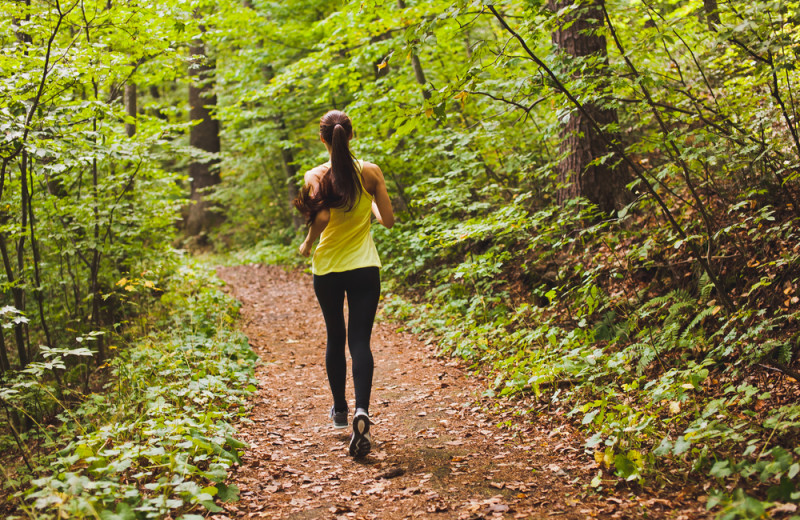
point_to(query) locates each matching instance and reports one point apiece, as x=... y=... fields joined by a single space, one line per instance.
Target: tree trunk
x=204 y=136
x=19 y=303
x=603 y=184
x=130 y=108
x=419 y=74
x=37 y=261
x=5 y=364
x=287 y=154
x=712 y=14
x=94 y=267
x=289 y=170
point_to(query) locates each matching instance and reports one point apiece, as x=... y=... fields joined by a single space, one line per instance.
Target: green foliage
x=157 y=441
x=83 y=206
x=629 y=322
x=646 y=326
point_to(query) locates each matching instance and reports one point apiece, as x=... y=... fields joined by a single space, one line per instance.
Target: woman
x=337 y=200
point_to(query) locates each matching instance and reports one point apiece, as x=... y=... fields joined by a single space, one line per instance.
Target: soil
x=443 y=451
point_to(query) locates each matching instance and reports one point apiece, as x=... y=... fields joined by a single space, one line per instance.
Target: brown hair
x=339 y=187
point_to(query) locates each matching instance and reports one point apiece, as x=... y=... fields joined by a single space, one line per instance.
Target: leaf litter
x=442 y=450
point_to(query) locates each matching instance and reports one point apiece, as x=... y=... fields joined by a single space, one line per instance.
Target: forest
x=597 y=211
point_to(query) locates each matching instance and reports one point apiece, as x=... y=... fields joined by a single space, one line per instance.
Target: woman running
x=337 y=200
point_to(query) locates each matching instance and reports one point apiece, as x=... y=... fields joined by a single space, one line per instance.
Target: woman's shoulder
x=372 y=175
x=371 y=170
x=314 y=175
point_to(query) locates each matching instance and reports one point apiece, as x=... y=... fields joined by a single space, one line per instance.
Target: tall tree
x=204 y=136
x=130 y=108
x=712 y=14
x=289 y=168
x=578 y=35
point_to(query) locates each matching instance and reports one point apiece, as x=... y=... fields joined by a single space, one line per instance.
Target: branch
x=507 y=101
x=618 y=149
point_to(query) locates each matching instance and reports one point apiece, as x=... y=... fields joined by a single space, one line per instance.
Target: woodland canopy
x=597 y=204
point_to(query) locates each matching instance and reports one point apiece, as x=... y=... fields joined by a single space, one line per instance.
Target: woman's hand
x=377 y=212
x=314 y=231
x=305 y=248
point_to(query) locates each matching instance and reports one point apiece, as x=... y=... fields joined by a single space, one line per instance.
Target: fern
x=646 y=355
x=759 y=351
x=784 y=354
x=705 y=286
x=661 y=301
x=676 y=307
x=705 y=313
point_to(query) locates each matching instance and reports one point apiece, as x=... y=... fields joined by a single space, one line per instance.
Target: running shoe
x=339 y=418
x=361 y=440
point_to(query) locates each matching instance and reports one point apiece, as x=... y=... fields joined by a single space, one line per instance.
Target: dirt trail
x=439 y=454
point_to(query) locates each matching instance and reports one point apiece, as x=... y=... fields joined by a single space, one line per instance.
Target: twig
x=783 y=369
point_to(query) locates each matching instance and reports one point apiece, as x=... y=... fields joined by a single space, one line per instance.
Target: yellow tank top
x=346 y=243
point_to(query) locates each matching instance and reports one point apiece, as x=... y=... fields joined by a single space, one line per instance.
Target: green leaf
x=664 y=448
x=625 y=467
x=216 y=473
x=211 y=490
x=589 y=417
x=212 y=507
x=124 y=512
x=682 y=445
x=228 y=493
x=721 y=469
x=235 y=443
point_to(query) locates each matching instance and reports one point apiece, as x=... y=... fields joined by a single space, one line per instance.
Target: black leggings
x=363 y=288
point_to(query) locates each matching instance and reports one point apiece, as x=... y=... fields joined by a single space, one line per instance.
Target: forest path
x=439 y=453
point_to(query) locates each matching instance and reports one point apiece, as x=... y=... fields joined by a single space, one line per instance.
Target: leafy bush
x=158 y=440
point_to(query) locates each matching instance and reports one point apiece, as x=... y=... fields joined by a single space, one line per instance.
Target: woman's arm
x=321 y=219
x=314 y=231
x=382 y=204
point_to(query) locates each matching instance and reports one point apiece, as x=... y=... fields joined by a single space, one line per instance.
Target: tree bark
x=37 y=290
x=289 y=170
x=94 y=268
x=23 y=167
x=712 y=14
x=5 y=364
x=419 y=74
x=204 y=136
x=19 y=303
x=603 y=184
x=130 y=108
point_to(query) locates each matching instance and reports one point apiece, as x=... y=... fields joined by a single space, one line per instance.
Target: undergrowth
x=617 y=328
x=157 y=439
x=634 y=348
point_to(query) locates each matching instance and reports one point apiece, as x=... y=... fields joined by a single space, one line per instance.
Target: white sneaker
x=360 y=440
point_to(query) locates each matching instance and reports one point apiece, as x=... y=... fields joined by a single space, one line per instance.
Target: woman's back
x=346 y=242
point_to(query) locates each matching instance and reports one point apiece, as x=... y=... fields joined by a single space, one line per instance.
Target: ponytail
x=339 y=187
x=345 y=180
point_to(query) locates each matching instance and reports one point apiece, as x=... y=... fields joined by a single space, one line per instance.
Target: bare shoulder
x=373 y=176
x=372 y=169
x=314 y=175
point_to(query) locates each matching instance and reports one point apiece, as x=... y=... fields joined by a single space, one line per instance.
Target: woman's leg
x=363 y=291
x=330 y=294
